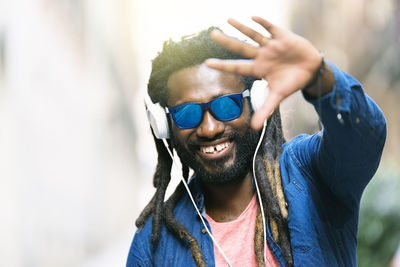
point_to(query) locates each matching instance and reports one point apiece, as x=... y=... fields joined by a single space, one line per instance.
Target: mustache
x=194 y=144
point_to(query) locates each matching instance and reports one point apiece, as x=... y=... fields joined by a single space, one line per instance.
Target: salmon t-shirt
x=236 y=239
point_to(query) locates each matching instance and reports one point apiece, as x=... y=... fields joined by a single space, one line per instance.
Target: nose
x=209 y=126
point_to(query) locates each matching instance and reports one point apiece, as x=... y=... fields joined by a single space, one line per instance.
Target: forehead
x=201 y=84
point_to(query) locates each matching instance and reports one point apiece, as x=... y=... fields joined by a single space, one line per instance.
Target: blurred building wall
x=362 y=38
x=67 y=135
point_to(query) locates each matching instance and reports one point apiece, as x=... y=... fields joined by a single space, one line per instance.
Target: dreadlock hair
x=271 y=190
x=191 y=51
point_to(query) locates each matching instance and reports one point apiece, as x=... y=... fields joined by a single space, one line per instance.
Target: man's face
x=219 y=152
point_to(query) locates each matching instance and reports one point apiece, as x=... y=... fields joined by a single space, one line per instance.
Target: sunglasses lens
x=226 y=108
x=187 y=116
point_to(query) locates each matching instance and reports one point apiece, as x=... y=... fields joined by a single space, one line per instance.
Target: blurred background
x=76 y=157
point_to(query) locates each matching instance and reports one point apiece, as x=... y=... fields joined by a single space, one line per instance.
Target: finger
x=271 y=28
x=238 y=66
x=265 y=111
x=233 y=45
x=254 y=35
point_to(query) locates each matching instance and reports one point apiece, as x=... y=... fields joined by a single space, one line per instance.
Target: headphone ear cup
x=157 y=118
x=258 y=93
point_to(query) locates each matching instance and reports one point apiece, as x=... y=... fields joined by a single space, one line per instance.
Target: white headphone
x=158 y=118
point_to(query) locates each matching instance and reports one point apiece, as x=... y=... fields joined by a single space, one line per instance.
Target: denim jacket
x=323 y=177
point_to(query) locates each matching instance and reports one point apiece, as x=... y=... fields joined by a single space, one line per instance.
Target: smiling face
x=218 y=152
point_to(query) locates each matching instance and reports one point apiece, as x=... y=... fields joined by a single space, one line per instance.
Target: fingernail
x=211 y=61
x=216 y=31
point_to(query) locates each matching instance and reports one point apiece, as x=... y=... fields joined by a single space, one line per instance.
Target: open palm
x=288 y=61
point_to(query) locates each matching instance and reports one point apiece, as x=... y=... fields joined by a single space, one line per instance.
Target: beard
x=221 y=174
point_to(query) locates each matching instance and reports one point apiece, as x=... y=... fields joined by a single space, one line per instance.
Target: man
x=310 y=187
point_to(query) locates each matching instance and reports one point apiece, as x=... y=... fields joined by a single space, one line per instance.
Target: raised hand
x=288 y=61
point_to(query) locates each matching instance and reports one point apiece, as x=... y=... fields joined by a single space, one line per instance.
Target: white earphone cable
x=195 y=206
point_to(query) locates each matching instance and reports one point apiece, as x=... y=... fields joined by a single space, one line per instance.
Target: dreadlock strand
x=285 y=244
x=269 y=202
x=163 y=160
x=284 y=238
x=270 y=176
x=162 y=177
x=144 y=215
x=269 y=139
x=271 y=207
x=274 y=228
x=185 y=172
x=157 y=213
x=268 y=165
x=278 y=178
x=196 y=251
x=279 y=190
x=179 y=230
x=163 y=168
x=281 y=139
x=272 y=183
x=259 y=239
x=273 y=217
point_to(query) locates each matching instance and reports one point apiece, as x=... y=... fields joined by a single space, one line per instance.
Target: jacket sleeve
x=346 y=153
x=137 y=256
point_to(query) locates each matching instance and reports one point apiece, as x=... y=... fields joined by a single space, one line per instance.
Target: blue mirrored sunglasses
x=223 y=108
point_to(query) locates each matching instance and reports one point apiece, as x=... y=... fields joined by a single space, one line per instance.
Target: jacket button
x=204 y=231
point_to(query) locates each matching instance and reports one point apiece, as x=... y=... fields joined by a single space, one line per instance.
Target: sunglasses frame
x=207 y=106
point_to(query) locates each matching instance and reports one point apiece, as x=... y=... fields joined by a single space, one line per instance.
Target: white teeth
x=214 y=149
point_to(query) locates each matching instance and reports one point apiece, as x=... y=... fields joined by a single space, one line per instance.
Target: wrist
x=318 y=73
x=322 y=83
